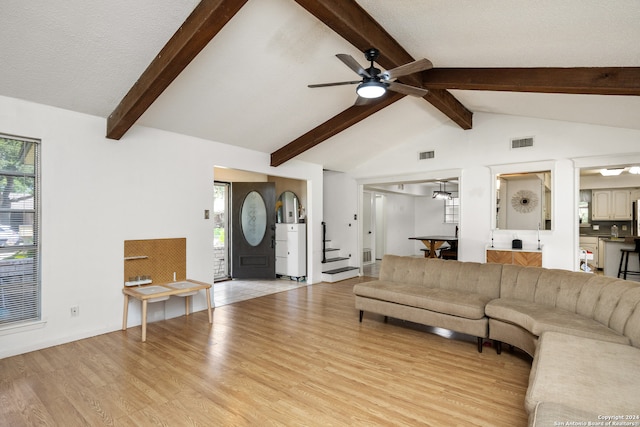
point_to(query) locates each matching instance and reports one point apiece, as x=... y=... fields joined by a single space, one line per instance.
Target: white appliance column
x=291 y=250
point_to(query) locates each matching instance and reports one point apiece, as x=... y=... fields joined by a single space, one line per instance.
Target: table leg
x=432 y=248
x=125 y=312
x=144 y=320
x=209 y=305
x=186 y=305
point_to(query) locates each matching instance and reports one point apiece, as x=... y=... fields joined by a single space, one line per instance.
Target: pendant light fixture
x=442 y=194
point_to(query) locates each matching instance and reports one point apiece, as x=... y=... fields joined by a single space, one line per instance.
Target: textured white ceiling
x=248 y=86
x=82 y=55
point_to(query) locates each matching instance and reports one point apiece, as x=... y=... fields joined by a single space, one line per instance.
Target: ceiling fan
x=375 y=82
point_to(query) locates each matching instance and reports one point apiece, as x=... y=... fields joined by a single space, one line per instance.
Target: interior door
x=253 y=230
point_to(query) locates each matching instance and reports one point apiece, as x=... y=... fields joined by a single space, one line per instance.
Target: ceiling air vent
x=522 y=142
x=426 y=155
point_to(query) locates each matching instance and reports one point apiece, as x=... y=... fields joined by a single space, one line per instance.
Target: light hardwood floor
x=293 y=358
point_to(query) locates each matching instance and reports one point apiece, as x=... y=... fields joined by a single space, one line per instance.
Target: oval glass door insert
x=253 y=218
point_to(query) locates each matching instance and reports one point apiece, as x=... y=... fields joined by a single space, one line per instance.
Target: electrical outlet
x=624 y=228
x=75 y=311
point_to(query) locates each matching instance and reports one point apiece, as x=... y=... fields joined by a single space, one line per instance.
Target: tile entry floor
x=231 y=291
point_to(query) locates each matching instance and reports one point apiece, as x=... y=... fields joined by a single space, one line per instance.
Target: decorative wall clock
x=524 y=201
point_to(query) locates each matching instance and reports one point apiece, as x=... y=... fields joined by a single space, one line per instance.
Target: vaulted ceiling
x=237 y=71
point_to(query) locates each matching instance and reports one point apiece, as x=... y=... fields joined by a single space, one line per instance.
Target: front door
x=253 y=230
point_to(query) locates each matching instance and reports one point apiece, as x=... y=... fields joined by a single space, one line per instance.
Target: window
x=220 y=226
x=452 y=210
x=19 y=237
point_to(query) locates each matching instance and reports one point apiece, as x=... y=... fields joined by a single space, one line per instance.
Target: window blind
x=19 y=234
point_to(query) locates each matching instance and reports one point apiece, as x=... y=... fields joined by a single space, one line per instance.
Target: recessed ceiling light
x=611 y=172
x=634 y=170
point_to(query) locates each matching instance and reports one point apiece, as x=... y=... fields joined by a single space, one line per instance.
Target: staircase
x=334 y=266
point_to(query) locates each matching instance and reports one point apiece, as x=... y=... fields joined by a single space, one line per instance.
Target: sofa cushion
x=456 y=303
x=585 y=374
x=538 y=318
x=473 y=277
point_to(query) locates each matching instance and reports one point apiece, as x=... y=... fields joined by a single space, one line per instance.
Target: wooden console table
x=156 y=293
x=526 y=257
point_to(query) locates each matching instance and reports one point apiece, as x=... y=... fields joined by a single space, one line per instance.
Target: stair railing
x=324 y=242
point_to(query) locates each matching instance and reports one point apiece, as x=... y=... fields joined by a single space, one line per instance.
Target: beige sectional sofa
x=582 y=330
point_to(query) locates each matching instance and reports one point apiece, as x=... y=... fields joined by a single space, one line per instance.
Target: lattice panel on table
x=158 y=258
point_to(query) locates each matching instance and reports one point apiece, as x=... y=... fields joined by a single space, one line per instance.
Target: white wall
x=400 y=218
x=97 y=193
x=563 y=145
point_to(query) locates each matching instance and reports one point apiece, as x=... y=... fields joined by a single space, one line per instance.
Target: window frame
x=20 y=280
x=452 y=209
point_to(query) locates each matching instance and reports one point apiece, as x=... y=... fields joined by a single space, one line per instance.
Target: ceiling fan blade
x=407 y=90
x=410 y=68
x=335 y=84
x=353 y=64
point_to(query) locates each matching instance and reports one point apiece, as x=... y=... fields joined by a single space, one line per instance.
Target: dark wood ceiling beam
x=206 y=20
x=331 y=127
x=584 y=80
x=451 y=107
x=356 y=26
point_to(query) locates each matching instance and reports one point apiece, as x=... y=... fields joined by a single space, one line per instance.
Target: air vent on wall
x=522 y=142
x=426 y=155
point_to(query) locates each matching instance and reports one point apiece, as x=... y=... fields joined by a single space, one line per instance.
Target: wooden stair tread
x=335 y=259
x=340 y=270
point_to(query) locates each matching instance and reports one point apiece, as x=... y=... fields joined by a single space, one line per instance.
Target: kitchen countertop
x=624 y=239
x=608 y=237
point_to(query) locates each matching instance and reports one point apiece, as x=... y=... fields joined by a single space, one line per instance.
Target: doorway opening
x=373 y=227
x=402 y=207
x=608 y=209
x=225 y=221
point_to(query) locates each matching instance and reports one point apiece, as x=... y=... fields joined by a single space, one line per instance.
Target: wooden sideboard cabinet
x=526 y=257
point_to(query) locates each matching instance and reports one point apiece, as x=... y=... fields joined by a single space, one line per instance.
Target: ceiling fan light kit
x=371 y=89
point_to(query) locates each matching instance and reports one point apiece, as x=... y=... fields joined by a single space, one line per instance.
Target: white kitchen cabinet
x=291 y=250
x=609 y=205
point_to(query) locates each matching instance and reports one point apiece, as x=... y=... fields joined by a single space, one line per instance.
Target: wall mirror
x=523 y=200
x=287 y=208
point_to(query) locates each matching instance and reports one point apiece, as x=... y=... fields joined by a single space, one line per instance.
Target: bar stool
x=624 y=257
